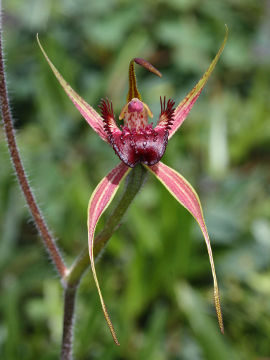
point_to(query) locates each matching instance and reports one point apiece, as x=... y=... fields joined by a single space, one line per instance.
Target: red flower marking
x=167 y=113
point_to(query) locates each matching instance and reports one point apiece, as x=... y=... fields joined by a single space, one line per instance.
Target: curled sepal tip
x=133 y=91
x=147 y=66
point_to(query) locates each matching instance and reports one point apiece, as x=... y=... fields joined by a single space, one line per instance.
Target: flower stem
x=69 y=310
x=134 y=181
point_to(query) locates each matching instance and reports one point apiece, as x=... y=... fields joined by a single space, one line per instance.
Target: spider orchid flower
x=138 y=142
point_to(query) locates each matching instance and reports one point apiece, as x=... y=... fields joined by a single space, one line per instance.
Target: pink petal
x=90 y=115
x=182 y=110
x=98 y=203
x=184 y=193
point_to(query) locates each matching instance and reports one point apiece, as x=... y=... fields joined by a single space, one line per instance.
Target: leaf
x=184 y=193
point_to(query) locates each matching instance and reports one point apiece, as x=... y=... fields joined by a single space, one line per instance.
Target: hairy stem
x=69 y=310
x=39 y=221
x=133 y=184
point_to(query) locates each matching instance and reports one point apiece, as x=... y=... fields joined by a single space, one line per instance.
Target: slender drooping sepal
x=90 y=115
x=99 y=201
x=184 y=193
x=182 y=110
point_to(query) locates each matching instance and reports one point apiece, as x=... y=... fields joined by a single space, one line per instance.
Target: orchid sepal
x=89 y=114
x=184 y=107
x=98 y=203
x=184 y=193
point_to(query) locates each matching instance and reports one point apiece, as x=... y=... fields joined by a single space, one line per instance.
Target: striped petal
x=184 y=193
x=90 y=115
x=98 y=203
x=182 y=110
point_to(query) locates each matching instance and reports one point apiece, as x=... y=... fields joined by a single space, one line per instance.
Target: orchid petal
x=98 y=203
x=90 y=115
x=182 y=110
x=184 y=193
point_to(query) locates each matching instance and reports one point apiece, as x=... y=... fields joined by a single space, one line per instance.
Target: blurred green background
x=155 y=272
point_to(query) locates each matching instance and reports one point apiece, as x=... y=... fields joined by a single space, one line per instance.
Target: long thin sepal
x=184 y=193
x=98 y=203
x=182 y=110
x=90 y=115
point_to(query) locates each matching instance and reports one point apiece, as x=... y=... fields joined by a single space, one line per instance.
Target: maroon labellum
x=138 y=141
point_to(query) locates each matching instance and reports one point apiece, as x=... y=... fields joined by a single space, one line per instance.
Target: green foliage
x=154 y=273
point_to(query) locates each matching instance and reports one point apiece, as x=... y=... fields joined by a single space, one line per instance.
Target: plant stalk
x=69 y=319
x=134 y=182
x=38 y=218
